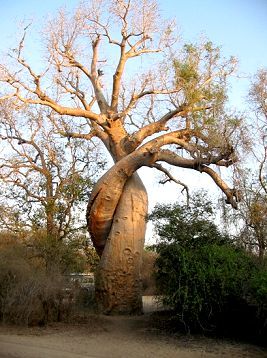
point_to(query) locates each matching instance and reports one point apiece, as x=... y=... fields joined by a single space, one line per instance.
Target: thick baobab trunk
x=118 y=281
x=116 y=217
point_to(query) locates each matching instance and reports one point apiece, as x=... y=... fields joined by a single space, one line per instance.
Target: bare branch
x=138 y=137
x=136 y=97
x=103 y=105
x=261 y=171
x=117 y=77
x=171 y=178
x=232 y=195
x=173 y=159
x=47 y=101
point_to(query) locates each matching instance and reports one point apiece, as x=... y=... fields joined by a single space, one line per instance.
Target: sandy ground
x=108 y=337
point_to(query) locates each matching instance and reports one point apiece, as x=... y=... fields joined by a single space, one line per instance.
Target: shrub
x=55 y=254
x=31 y=294
x=209 y=283
x=200 y=284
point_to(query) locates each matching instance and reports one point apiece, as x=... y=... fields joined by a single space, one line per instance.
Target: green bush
x=199 y=284
x=209 y=283
x=56 y=255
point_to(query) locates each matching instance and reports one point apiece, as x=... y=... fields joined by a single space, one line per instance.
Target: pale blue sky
x=239 y=26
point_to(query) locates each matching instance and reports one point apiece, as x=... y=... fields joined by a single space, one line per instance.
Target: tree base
x=118 y=294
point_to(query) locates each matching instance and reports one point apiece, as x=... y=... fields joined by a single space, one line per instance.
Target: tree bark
x=118 y=281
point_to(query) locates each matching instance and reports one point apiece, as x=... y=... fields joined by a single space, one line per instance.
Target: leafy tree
x=54 y=256
x=251 y=216
x=187 y=224
x=258 y=99
x=172 y=111
x=199 y=272
x=45 y=178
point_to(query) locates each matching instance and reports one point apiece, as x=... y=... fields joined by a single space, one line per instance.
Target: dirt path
x=112 y=337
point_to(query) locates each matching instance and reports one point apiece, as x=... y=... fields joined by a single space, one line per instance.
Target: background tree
x=168 y=111
x=251 y=216
x=258 y=206
x=45 y=181
x=45 y=178
x=258 y=98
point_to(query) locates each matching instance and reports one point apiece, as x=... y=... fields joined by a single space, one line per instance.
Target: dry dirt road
x=113 y=337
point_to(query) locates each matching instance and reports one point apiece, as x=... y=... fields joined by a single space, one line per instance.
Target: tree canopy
x=113 y=71
x=181 y=101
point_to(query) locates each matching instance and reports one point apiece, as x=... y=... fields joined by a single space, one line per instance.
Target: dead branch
x=170 y=177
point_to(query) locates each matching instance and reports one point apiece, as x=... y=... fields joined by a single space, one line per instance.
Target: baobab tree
x=167 y=108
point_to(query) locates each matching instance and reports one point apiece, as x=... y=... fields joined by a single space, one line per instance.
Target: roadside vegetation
x=208 y=281
x=36 y=287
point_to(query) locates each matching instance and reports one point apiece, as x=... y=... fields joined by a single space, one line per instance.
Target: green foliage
x=57 y=255
x=198 y=283
x=189 y=225
x=201 y=73
x=258 y=287
x=203 y=277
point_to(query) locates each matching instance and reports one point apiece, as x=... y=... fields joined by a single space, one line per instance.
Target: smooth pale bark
x=118 y=282
x=116 y=217
x=107 y=194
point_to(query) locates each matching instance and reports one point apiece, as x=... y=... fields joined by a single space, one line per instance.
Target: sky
x=238 y=26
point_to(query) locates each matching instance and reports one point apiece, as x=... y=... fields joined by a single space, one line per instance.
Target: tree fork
x=107 y=194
